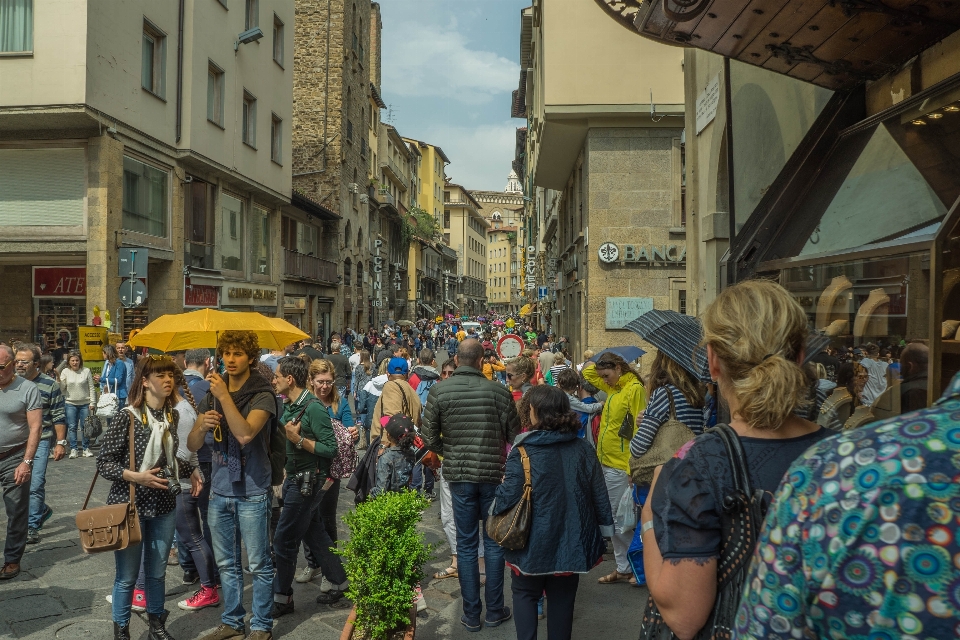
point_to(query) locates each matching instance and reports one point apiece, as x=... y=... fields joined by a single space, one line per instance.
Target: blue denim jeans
x=157 y=536
x=76 y=415
x=471 y=502
x=38 y=481
x=422 y=478
x=201 y=503
x=232 y=519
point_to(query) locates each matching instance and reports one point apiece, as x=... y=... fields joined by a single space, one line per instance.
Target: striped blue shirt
x=658 y=412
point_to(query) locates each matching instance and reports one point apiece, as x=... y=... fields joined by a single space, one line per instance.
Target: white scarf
x=160 y=440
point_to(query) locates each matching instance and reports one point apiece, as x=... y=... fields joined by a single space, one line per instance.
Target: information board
x=621 y=311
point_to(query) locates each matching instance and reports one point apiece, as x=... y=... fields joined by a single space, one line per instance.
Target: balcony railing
x=300 y=265
x=394 y=170
x=432 y=273
x=385 y=197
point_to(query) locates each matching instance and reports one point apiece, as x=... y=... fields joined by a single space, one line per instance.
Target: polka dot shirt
x=114 y=457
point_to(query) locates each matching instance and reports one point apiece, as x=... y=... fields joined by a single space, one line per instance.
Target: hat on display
x=398 y=366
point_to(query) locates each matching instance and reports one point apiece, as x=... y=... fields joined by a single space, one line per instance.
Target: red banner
x=200 y=295
x=59 y=282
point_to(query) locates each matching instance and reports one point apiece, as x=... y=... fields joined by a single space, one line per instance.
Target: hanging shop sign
x=377 y=271
x=531 y=268
x=662 y=254
x=200 y=296
x=59 y=282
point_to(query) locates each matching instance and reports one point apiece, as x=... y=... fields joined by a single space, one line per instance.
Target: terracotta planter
x=408 y=634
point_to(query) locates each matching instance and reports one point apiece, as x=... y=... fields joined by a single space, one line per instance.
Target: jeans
x=190 y=537
x=76 y=416
x=300 y=522
x=328 y=516
x=617 y=482
x=201 y=503
x=16 y=502
x=423 y=478
x=471 y=502
x=157 y=536
x=446 y=515
x=230 y=520
x=38 y=481
x=561 y=593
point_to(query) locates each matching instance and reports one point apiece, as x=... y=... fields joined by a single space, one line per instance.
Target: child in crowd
x=586 y=408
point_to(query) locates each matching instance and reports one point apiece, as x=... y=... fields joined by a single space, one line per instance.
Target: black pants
x=328 y=514
x=561 y=593
x=300 y=522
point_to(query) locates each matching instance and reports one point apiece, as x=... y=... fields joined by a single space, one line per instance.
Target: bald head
x=470 y=353
x=914 y=359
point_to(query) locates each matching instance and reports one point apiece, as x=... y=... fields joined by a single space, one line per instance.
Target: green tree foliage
x=384 y=560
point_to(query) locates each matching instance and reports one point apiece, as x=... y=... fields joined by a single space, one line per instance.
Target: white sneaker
x=87 y=453
x=73 y=454
x=307 y=574
x=325 y=585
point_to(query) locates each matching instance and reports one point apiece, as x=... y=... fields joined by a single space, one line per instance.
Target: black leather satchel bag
x=743 y=514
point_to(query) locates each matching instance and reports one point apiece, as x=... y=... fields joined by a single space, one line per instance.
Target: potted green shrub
x=384 y=560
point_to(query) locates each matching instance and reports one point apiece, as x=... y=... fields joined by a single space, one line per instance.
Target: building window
x=153 y=62
x=144 y=198
x=231 y=235
x=16 y=32
x=277 y=40
x=446 y=218
x=276 y=137
x=251 y=16
x=349 y=131
x=347 y=269
x=683 y=301
x=261 y=221
x=214 y=94
x=359 y=274
x=198 y=224
x=249 y=119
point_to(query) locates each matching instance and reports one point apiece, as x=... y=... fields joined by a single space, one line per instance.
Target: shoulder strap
x=525 y=460
x=737 y=459
x=96 y=473
x=405 y=406
x=673 y=407
x=304 y=409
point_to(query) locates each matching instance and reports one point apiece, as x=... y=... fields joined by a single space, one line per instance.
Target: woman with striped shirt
x=668 y=377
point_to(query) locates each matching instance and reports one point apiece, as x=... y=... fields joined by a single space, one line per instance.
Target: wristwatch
x=61 y=443
x=29 y=462
x=299 y=445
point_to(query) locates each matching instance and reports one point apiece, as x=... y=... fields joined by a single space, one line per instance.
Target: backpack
x=423 y=390
x=276 y=445
x=347 y=459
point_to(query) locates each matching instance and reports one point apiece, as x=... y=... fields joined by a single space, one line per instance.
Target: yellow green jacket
x=628 y=395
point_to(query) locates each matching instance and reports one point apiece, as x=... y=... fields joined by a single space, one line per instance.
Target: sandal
x=449 y=572
x=616 y=576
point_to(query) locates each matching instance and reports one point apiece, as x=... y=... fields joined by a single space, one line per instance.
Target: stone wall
x=630 y=179
x=16 y=318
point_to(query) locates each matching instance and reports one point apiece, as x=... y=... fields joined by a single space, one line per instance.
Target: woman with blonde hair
x=625 y=401
x=754 y=333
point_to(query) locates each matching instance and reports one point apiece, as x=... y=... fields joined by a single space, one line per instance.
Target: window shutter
x=41 y=187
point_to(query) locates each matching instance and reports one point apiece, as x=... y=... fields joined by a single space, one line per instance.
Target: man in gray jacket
x=469 y=420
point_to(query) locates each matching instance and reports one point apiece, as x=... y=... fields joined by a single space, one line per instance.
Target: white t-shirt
x=876 y=383
x=354 y=361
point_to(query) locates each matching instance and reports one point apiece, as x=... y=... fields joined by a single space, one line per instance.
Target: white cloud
x=480 y=155
x=422 y=60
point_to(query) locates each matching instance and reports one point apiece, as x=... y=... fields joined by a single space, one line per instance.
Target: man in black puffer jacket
x=468 y=421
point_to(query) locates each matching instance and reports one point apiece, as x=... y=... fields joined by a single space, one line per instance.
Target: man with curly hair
x=234 y=419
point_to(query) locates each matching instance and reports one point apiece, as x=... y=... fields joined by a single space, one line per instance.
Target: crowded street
x=418 y=319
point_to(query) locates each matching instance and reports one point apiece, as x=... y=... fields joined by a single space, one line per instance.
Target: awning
x=452 y=304
x=428 y=308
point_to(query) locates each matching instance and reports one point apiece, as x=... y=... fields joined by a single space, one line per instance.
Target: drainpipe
x=326 y=90
x=180 y=74
x=731 y=194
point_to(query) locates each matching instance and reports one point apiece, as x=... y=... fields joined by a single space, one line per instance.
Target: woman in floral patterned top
x=861 y=539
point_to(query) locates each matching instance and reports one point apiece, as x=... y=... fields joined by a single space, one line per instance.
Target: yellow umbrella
x=526 y=309
x=201 y=329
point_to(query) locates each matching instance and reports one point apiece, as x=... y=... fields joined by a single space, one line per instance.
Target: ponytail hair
x=757 y=331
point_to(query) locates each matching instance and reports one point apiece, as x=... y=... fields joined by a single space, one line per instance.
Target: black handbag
x=743 y=513
x=628 y=427
x=92 y=426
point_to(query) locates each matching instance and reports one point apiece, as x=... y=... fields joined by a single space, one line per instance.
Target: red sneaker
x=139 y=603
x=205 y=597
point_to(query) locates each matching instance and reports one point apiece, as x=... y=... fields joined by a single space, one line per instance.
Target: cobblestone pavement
x=61 y=591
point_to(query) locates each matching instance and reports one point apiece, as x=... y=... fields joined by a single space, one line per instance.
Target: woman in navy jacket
x=570 y=504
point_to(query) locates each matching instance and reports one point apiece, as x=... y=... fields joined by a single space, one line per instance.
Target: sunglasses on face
x=4 y=366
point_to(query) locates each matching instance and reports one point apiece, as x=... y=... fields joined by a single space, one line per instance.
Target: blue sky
x=449 y=67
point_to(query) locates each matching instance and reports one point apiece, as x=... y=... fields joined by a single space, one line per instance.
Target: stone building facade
x=503 y=211
x=332 y=84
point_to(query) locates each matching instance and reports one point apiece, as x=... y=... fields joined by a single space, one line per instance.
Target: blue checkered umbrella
x=676 y=336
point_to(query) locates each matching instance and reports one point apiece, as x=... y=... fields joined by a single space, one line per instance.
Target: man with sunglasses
x=21 y=420
x=54 y=422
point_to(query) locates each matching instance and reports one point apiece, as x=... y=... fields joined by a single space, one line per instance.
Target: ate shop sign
x=200 y=296
x=59 y=282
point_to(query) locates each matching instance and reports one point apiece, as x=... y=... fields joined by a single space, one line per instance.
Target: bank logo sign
x=656 y=254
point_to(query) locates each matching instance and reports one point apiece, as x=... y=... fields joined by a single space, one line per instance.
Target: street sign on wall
x=59 y=282
x=510 y=346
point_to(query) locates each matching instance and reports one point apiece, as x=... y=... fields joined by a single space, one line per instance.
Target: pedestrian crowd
x=778 y=490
